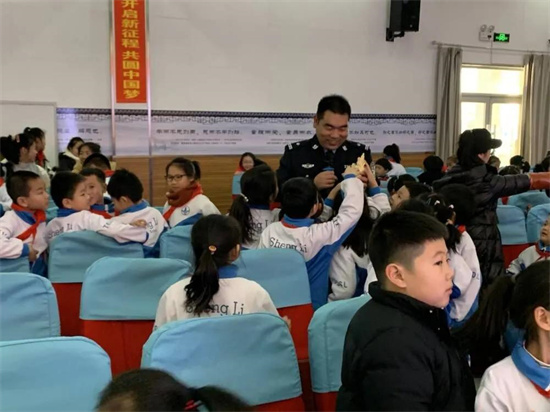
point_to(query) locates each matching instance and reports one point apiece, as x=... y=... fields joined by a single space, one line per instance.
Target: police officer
x=324 y=157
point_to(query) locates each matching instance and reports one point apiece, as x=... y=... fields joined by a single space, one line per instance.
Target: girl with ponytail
x=20 y=152
x=393 y=154
x=214 y=288
x=520 y=382
x=462 y=256
x=185 y=202
x=251 y=207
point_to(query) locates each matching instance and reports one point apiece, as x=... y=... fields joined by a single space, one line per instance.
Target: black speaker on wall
x=404 y=17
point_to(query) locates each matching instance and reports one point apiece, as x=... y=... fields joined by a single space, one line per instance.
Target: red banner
x=130 y=51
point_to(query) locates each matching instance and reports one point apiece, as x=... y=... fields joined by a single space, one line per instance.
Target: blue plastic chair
x=414 y=171
x=52 y=374
x=72 y=253
x=119 y=302
x=15 y=265
x=251 y=356
x=236 y=184
x=175 y=243
x=511 y=224
x=535 y=220
x=29 y=307
x=532 y=198
x=327 y=332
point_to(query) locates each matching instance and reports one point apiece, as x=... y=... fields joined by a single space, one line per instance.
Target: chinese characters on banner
x=130 y=51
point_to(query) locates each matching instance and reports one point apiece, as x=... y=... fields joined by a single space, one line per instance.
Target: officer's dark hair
x=334 y=103
x=125 y=183
x=395 y=182
x=400 y=237
x=258 y=188
x=298 y=196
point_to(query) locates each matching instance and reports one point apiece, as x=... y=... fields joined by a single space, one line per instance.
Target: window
x=491 y=98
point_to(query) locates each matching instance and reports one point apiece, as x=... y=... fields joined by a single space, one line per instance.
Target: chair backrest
x=327 y=332
x=14 y=265
x=29 y=307
x=414 y=171
x=535 y=220
x=128 y=289
x=511 y=224
x=236 y=184
x=531 y=198
x=72 y=253
x=281 y=272
x=52 y=374
x=261 y=368
x=51 y=213
x=176 y=244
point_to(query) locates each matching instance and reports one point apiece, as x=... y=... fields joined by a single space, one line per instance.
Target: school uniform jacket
x=261 y=218
x=349 y=274
x=236 y=296
x=318 y=242
x=69 y=220
x=397 y=169
x=189 y=213
x=466 y=282
x=529 y=256
x=156 y=224
x=13 y=224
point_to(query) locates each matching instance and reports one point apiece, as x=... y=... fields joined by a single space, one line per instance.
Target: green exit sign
x=501 y=37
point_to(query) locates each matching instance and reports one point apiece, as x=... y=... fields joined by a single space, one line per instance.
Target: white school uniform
x=155 y=221
x=378 y=205
x=236 y=296
x=73 y=221
x=466 y=281
x=318 y=242
x=343 y=273
x=529 y=256
x=189 y=213
x=11 y=226
x=5 y=199
x=261 y=219
x=397 y=170
x=505 y=389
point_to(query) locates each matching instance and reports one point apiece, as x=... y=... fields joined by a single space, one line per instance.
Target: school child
x=20 y=154
x=151 y=390
x=462 y=257
x=433 y=170
x=185 y=200
x=70 y=196
x=351 y=269
x=126 y=193
x=85 y=150
x=96 y=187
x=316 y=242
x=40 y=140
x=214 y=288
x=398 y=352
x=396 y=182
x=251 y=207
x=521 y=381
x=539 y=251
x=5 y=199
x=248 y=161
x=393 y=154
x=381 y=168
x=101 y=162
x=409 y=190
x=68 y=159
x=22 y=229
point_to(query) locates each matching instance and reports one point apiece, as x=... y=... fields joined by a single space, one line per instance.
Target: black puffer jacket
x=399 y=356
x=488 y=187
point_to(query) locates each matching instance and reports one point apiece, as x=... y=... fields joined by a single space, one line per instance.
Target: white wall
x=255 y=55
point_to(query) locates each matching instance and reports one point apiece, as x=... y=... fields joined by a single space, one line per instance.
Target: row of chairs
x=264 y=368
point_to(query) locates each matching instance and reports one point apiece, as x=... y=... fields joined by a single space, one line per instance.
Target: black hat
x=478 y=141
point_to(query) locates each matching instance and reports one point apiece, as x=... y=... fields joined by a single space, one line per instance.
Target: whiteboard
x=16 y=115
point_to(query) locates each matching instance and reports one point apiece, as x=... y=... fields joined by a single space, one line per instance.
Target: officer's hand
x=325 y=180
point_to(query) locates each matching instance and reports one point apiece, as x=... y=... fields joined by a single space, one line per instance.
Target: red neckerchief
x=504 y=200
x=39 y=217
x=1 y=181
x=40 y=158
x=181 y=198
x=101 y=213
x=544 y=393
x=109 y=173
x=542 y=253
x=461 y=228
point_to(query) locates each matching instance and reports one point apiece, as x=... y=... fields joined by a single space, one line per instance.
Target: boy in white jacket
x=316 y=242
x=70 y=196
x=126 y=193
x=22 y=228
x=535 y=253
